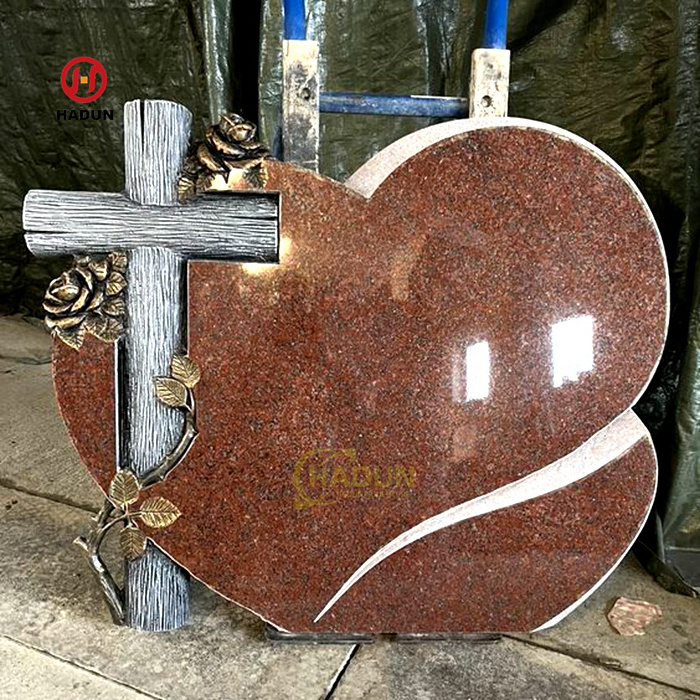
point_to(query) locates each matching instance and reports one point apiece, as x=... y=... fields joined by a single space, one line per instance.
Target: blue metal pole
x=393 y=105
x=495 y=24
x=294 y=19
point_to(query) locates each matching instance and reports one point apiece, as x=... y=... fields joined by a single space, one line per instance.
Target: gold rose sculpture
x=228 y=158
x=88 y=298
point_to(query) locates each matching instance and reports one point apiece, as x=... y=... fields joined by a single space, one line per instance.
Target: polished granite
x=478 y=318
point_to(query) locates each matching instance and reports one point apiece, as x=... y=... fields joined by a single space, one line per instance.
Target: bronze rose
x=88 y=298
x=229 y=157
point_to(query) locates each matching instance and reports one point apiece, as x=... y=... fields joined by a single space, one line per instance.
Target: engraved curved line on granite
x=605 y=446
x=560 y=616
x=369 y=176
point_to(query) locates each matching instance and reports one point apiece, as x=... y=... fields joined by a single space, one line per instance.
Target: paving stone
x=669 y=651
x=25 y=340
x=36 y=453
x=40 y=677
x=507 y=670
x=51 y=601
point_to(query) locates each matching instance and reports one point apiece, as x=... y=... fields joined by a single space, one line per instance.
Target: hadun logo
x=88 y=80
x=322 y=477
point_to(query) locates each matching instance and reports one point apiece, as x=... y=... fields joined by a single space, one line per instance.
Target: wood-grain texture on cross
x=212 y=226
x=156 y=136
x=160 y=235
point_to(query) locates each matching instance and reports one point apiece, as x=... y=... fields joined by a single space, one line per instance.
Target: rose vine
x=122 y=506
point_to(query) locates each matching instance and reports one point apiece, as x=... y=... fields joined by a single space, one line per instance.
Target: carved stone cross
x=160 y=235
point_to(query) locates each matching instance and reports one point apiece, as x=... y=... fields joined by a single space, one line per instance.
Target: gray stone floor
x=57 y=640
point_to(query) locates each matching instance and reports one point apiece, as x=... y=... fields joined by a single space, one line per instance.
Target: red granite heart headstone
x=486 y=304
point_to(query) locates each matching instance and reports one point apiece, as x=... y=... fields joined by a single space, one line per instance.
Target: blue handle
x=496 y=24
x=294 y=19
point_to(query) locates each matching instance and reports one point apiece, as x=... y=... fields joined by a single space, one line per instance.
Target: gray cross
x=160 y=235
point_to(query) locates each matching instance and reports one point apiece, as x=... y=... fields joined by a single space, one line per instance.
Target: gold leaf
x=256 y=175
x=185 y=369
x=72 y=338
x=171 y=391
x=132 y=542
x=115 y=306
x=124 y=489
x=104 y=328
x=115 y=283
x=158 y=512
x=119 y=261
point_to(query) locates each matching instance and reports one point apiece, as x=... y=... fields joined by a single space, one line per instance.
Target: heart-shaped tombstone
x=463 y=320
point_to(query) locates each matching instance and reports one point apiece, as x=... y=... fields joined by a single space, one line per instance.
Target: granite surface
x=476 y=319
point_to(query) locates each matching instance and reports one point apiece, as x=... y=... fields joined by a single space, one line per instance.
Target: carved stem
x=111 y=514
x=172 y=459
x=91 y=545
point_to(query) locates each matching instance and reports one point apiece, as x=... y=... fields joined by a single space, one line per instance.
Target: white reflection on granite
x=477 y=367
x=572 y=349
